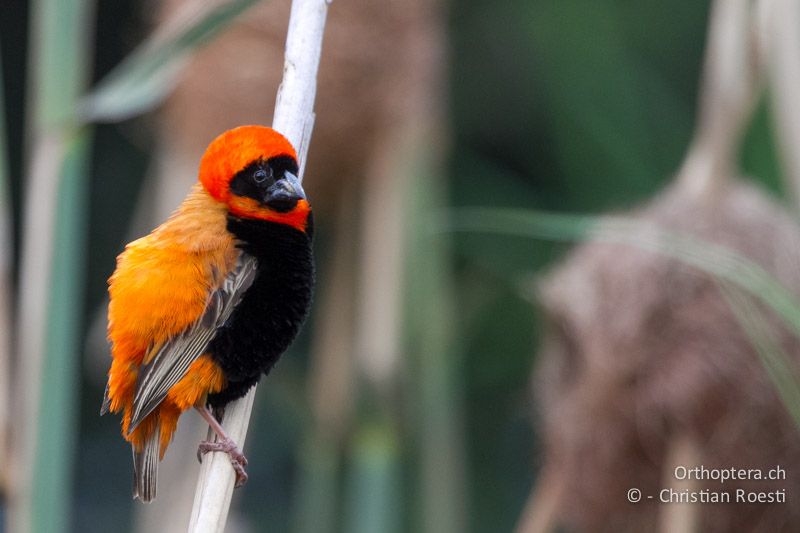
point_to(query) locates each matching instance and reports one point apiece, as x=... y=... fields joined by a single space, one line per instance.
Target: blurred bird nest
x=650 y=364
x=643 y=350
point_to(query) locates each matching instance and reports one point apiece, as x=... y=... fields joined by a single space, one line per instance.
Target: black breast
x=272 y=310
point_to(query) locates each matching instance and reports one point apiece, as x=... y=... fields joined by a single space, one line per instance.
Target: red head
x=253 y=170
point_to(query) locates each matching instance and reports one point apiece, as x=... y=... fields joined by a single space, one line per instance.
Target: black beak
x=284 y=194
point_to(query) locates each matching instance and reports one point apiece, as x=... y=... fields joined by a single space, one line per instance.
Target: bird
x=207 y=303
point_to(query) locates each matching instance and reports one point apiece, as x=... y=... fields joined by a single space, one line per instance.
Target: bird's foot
x=238 y=460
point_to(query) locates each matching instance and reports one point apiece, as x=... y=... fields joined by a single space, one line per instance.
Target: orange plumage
x=160 y=287
x=164 y=282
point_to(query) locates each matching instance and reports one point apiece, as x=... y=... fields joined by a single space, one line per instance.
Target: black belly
x=272 y=310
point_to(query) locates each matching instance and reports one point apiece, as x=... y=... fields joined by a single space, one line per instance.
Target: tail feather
x=145 y=468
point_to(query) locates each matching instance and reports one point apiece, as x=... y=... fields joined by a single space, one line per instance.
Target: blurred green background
x=570 y=105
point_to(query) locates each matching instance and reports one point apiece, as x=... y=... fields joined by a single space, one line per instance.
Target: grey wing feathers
x=106 y=402
x=172 y=361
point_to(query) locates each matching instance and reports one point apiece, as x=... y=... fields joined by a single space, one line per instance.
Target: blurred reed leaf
x=774 y=358
x=60 y=375
x=51 y=268
x=5 y=225
x=6 y=251
x=57 y=64
x=722 y=263
x=146 y=76
x=435 y=355
x=5 y=205
x=374 y=493
x=710 y=258
x=316 y=509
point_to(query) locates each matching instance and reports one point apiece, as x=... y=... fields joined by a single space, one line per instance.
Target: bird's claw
x=238 y=460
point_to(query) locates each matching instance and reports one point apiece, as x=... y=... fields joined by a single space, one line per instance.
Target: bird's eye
x=260 y=175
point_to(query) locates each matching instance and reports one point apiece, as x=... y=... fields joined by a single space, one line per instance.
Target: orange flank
x=161 y=286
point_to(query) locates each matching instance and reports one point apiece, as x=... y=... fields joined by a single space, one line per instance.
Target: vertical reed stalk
x=51 y=268
x=729 y=86
x=294 y=117
x=374 y=491
x=780 y=42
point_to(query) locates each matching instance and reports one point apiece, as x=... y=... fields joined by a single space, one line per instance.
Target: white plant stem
x=780 y=32
x=212 y=498
x=729 y=86
x=294 y=117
